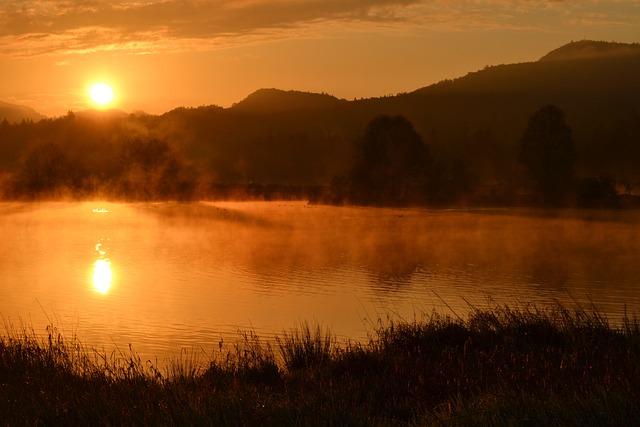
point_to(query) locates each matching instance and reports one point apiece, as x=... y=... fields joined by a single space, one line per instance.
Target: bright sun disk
x=101 y=94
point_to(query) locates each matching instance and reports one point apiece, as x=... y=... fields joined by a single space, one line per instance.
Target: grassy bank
x=500 y=366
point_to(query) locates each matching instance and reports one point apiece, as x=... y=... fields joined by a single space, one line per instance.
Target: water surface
x=167 y=276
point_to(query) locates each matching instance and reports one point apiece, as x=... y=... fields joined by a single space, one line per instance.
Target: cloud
x=32 y=27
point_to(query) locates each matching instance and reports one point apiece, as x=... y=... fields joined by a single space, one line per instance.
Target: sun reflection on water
x=102 y=275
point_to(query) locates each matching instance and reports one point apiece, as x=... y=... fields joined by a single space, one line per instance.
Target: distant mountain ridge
x=285 y=100
x=589 y=49
x=496 y=79
x=554 y=72
x=14 y=113
x=108 y=114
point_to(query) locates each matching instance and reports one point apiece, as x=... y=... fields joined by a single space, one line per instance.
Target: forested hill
x=589 y=49
x=16 y=113
x=279 y=100
x=473 y=122
x=478 y=118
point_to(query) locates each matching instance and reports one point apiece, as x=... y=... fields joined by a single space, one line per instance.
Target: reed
x=498 y=366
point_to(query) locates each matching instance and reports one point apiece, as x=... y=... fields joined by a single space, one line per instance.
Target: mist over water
x=165 y=276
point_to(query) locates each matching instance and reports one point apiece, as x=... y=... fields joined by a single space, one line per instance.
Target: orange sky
x=159 y=54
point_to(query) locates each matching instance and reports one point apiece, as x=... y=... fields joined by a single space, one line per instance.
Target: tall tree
x=548 y=154
x=392 y=163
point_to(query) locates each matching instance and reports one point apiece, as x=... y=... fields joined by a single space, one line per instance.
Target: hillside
x=589 y=49
x=276 y=100
x=94 y=114
x=472 y=125
x=15 y=113
x=483 y=114
x=585 y=76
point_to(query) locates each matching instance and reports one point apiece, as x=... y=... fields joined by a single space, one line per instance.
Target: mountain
x=16 y=113
x=276 y=100
x=481 y=116
x=95 y=114
x=605 y=74
x=589 y=49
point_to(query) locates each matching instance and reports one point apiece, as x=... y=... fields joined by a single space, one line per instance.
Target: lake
x=169 y=276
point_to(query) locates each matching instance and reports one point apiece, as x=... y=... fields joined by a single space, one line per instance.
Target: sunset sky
x=160 y=54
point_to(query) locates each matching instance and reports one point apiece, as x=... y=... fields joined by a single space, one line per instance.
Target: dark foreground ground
x=498 y=367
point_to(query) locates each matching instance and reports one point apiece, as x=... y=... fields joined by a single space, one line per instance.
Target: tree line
x=393 y=165
x=215 y=153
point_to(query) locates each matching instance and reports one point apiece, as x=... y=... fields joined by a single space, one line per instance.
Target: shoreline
x=497 y=366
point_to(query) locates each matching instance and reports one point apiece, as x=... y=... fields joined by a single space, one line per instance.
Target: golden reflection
x=99 y=250
x=102 y=275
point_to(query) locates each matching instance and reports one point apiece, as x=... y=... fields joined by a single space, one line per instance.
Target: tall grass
x=501 y=366
x=304 y=348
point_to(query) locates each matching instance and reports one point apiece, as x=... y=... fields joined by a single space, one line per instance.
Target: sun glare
x=102 y=276
x=101 y=94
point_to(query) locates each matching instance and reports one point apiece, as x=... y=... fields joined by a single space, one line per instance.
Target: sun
x=101 y=94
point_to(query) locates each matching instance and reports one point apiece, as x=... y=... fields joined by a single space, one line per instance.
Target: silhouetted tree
x=598 y=192
x=392 y=163
x=548 y=154
x=152 y=169
x=148 y=154
x=47 y=168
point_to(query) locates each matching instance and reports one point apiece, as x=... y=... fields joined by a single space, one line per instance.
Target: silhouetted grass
x=501 y=366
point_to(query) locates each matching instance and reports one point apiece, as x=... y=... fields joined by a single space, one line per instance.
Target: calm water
x=169 y=276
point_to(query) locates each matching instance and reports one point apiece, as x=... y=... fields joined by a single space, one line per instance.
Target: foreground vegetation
x=497 y=367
